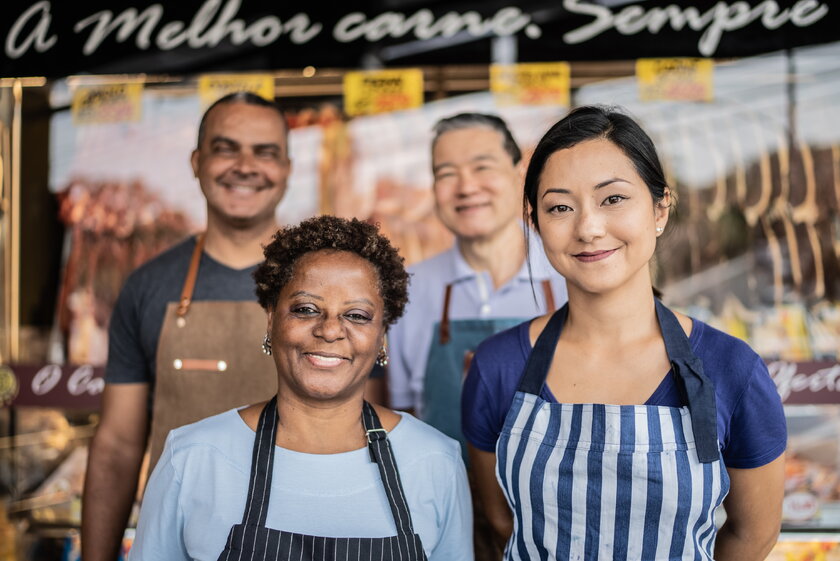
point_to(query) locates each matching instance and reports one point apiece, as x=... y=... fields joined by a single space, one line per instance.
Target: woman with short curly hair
x=327 y=475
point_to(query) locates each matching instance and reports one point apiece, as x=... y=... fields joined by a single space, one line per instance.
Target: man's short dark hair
x=248 y=98
x=472 y=120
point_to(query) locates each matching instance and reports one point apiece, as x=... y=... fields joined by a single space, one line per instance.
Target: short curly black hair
x=339 y=234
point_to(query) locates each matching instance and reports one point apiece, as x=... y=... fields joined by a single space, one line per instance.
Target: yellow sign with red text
x=214 y=86
x=109 y=103
x=382 y=91
x=543 y=83
x=675 y=79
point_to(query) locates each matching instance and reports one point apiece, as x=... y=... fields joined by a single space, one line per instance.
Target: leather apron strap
x=189 y=282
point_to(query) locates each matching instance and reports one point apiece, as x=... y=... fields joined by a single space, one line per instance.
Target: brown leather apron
x=208 y=360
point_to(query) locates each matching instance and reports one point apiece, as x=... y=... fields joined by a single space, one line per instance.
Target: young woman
x=615 y=426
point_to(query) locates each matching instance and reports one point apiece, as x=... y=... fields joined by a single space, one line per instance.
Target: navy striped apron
x=253 y=541
x=595 y=481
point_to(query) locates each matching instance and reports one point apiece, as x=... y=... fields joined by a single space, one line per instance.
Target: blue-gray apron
x=595 y=481
x=450 y=353
x=254 y=541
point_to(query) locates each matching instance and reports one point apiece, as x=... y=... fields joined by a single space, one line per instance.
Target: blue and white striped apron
x=595 y=481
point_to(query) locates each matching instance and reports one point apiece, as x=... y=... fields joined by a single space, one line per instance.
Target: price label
x=370 y=93
x=675 y=79
x=531 y=83
x=214 y=86
x=109 y=103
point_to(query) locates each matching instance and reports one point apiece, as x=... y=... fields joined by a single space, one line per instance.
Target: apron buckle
x=381 y=434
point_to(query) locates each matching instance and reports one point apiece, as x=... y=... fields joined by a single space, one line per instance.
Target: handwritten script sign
x=61 y=386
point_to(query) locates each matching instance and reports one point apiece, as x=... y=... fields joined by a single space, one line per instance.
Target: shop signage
x=383 y=91
x=675 y=79
x=213 y=86
x=531 y=83
x=111 y=103
x=806 y=383
x=61 y=386
x=52 y=38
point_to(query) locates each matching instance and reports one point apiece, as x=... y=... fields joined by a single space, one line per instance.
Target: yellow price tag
x=214 y=86
x=382 y=91
x=675 y=79
x=110 y=103
x=539 y=83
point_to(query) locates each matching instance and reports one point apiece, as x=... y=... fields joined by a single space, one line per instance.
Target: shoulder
x=416 y=442
x=727 y=360
x=218 y=437
x=160 y=268
x=510 y=345
x=437 y=267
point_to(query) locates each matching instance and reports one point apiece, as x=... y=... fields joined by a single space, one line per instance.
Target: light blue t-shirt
x=473 y=297
x=198 y=491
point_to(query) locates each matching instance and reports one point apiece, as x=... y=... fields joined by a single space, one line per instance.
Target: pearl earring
x=659 y=229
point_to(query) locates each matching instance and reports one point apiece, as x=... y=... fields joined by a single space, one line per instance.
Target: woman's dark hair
x=592 y=122
x=333 y=234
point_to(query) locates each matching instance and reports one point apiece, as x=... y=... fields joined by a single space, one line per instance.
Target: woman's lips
x=592 y=256
x=323 y=360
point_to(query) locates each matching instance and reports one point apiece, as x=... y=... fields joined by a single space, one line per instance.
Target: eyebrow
x=474 y=159
x=595 y=188
x=316 y=297
x=262 y=146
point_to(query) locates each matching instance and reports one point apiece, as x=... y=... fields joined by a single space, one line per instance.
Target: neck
x=624 y=315
x=318 y=428
x=237 y=248
x=501 y=254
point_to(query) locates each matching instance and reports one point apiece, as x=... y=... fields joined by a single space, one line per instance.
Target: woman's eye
x=559 y=208
x=304 y=310
x=358 y=317
x=614 y=199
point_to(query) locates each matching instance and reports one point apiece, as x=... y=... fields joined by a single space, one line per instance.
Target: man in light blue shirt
x=478 y=287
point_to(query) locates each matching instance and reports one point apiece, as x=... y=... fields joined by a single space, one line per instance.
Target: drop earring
x=382 y=356
x=266 y=345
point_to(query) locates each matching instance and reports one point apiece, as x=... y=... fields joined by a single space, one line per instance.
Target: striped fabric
x=252 y=540
x=589 y=481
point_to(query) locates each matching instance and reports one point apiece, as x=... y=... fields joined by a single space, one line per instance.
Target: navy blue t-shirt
x=750 y=419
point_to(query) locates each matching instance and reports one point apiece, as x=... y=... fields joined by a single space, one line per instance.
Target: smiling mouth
x=244 y=189
x=324 y=360
x=468 y=208
x=592 y=256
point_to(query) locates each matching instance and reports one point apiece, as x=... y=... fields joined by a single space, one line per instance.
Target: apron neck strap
x=444 y=320
x=381 y=453
x=262 y=466
x=699 y=391
x=542 y=354
x=189 y=282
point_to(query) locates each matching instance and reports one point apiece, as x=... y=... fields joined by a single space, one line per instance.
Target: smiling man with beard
x=184 y=337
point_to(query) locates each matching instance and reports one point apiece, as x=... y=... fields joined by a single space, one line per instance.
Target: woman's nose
x=590 y=225
x=329 y=328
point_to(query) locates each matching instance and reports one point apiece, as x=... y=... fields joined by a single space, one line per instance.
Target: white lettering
x=83 y=381
x=355 y=25
x=603 y=21
x=127 y=22
x=350 y=27
x=807 y=12
x=789 y=381
x=171 y=36
x=301 y=30
x=46 y=379
x=722 y=17
x=38 y=36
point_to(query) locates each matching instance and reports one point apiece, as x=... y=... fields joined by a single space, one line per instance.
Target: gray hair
x=472 y=120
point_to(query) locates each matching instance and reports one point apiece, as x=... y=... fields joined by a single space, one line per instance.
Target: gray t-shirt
x=138 y=314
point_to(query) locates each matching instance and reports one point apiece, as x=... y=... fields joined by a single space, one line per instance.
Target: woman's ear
x=662 y=210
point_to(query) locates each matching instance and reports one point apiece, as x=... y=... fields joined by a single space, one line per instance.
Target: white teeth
x=324 y=360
